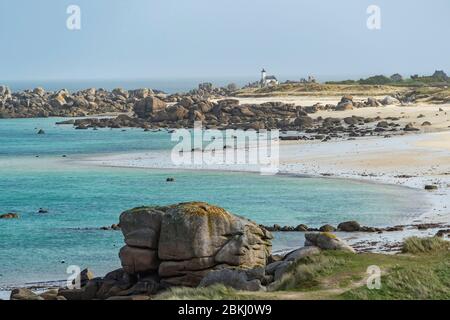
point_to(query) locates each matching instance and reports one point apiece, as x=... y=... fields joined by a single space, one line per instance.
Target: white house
x=267 y=81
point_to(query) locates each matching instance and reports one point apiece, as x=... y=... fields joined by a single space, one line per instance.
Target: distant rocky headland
x=216 y=108
x=41 y=103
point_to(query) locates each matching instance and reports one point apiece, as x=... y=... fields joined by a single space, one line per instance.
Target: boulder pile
x=41 y=103
x=154 y=113
x=62 y=103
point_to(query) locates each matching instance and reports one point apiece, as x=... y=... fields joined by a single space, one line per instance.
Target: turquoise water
x=80 y=199
x=18 y=138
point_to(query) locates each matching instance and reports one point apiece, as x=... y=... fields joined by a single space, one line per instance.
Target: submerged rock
x=9 y=216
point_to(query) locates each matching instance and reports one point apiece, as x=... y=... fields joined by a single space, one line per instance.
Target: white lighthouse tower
x=263 y=77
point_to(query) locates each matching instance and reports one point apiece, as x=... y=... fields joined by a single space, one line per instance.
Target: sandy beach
x=410 y=160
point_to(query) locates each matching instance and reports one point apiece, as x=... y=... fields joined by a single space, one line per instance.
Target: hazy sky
x=216 y=38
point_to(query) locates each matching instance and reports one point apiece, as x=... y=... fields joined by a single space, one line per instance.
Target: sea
x=46 y=171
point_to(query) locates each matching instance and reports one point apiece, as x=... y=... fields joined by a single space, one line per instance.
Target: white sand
x=425 y=157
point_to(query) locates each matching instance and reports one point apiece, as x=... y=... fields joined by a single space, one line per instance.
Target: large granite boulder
x=183 y=242
x=304 y=122
x=388 y=100
x=148 y=107
x=349 y=226
x=326 y=241
x=58 y=100
x=5 y=91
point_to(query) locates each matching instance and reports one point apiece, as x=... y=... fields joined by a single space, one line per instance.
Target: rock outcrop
x=149 y=107
x=41 y=103
x=326 y=241
x=349 y=226
x=182 y=243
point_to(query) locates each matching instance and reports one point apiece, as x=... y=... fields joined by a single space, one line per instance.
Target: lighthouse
x=263 y=77
x=267 y=80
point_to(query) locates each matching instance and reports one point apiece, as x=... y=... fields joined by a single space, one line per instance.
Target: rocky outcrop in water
x=152 y=113
x=9 y=216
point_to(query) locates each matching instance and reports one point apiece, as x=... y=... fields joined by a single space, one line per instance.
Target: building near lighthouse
x=267 y=81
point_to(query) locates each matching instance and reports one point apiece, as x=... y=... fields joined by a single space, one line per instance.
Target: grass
x=216 y=292
x=426 y=278
x=305 y=274
x=424 y=92
x=421 y=272
x=317 y=89
x=434 y=94
x=416 y=245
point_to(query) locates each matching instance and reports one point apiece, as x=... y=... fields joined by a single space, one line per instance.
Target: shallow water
x=80 y=199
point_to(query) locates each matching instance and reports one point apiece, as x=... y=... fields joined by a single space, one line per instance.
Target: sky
x=163 y=39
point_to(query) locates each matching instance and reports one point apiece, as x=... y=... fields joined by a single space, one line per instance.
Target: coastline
x=315 y=164
x=422 y=159
x=308 y=159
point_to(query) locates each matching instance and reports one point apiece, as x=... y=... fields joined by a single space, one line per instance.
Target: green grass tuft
x=415 y=281
x=415 y=245
x=305 y=273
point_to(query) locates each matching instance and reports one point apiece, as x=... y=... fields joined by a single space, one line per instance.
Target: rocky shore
x=41 y=103
x=153 y=113
x=214 y=107
x=354 y=226
x=189 y=245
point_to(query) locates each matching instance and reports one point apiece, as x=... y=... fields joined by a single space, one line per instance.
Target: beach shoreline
x=355 y=159
x=355 y=162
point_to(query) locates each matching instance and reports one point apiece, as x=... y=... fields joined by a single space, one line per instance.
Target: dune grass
x=305 y=273
x=416 y=245
x=426 y=278
x=318 y=89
